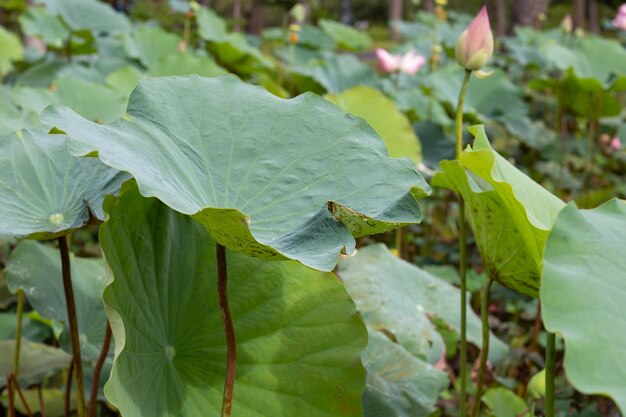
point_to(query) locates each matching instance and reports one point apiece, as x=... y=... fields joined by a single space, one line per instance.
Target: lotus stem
x=42 y=404
x=231 y=345
x=550 y=374
x=73 y=324
x=68 y=389
x=12 y=381
x=484 y=353
x=95 y=384
x=462 y=251
x=18 y=342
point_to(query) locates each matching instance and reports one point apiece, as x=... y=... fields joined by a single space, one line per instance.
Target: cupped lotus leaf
x=37 y=362
x=186 y=64
x=149 y=44
x=10 y=50
x=93 y=101
x=583 y=291
x=346 y=36
x=509 y=214
x=44 y=191
x=381 y=113
x=505 y=403
x=402 y=300
x=39 y=22
x=398 y=383
x=31 y=329
x=314 y=38
x=36 y=269
x=266 y=176
x=334 y=73
x=231 y=49
x=90 y=15
x=299 y=337
x=592 y=58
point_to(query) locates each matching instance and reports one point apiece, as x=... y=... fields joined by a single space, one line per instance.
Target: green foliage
x=299 y=338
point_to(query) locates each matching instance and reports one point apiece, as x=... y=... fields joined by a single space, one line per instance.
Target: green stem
x=18 y=340
x=550 y=374
x=462 y=250
x=400 y=238
x=73 y=324
x=231 y=345
x=484 y=353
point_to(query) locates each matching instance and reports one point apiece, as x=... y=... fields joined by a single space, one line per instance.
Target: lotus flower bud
x=567 y=25
x=475 y=46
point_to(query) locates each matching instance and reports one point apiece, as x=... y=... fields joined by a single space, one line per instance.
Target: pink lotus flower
x=620 y=19
x=475 y=45
x=409 y=63
x=616 y=144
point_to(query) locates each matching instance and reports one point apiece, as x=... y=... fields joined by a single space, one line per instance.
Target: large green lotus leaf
x=44 y=191
x=149 y=44
x=592 y=58
x=299 y=337
x=90 y=15
x=400 y=299
x=36 y=269
x=398 y=383
x=186 y=64
x=335 y=73
x=38 y=21
x=37 y=361
x=10 y=50
x=510 y=215
x=266 y=176
x=346 y=36
x=583 y=294
x=381 y=113
x=92 y=100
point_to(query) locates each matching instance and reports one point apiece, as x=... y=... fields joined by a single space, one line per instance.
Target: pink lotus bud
x=567 y=24
x=388 y=61
x=475 y=46
x=616 y=143
x=411 y=62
